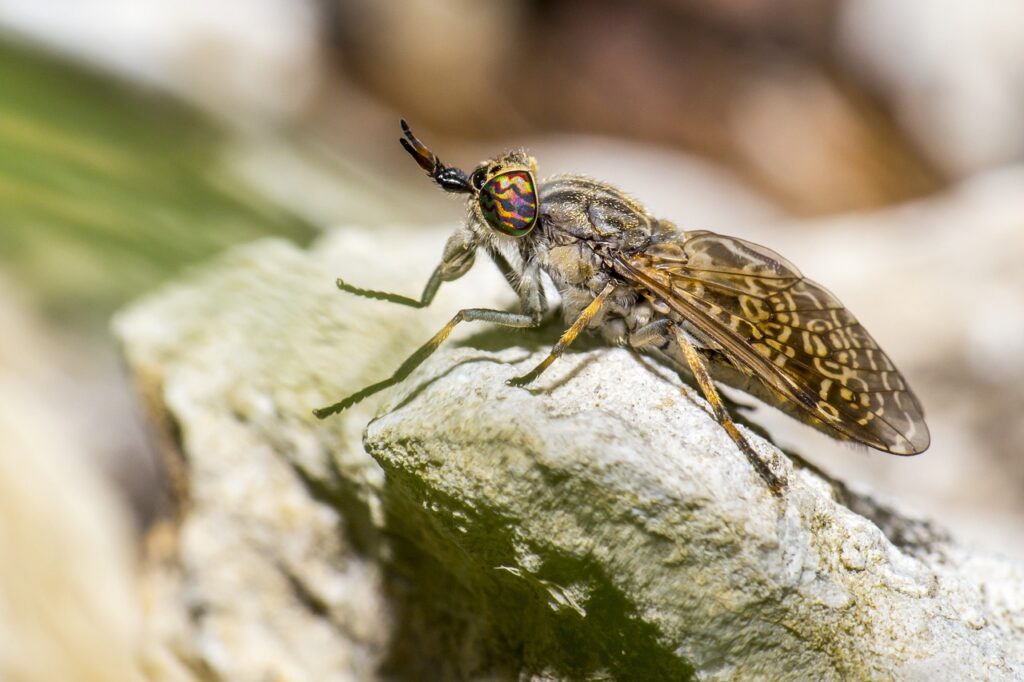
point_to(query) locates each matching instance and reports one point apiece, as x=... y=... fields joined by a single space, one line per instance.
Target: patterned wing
x=786 y=330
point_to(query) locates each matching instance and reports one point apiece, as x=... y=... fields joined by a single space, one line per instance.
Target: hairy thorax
x=582 y=221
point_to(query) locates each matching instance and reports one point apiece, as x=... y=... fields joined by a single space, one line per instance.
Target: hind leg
x=707 y=386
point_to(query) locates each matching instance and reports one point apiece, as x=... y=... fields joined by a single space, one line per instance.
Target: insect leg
x=651 y=333
x=458 y=257
x=429 y=291
x=525 y=282
x=501 y=317
x=700 y=372
x=566 y=339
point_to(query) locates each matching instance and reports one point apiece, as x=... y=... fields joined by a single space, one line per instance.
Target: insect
x=721 y=306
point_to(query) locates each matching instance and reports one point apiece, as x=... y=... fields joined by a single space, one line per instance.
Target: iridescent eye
x=509 y=203
x=477 y=179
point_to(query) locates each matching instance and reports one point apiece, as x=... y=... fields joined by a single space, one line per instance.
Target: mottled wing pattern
x=787 y=331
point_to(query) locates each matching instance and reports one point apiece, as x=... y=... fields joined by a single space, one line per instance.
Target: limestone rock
x=273 y=566
x=606 y=506
x=597 y=526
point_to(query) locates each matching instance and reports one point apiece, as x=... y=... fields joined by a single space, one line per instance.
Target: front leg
x=531 y=315
x=459 y=253
x=501 y=317
x=527 y=282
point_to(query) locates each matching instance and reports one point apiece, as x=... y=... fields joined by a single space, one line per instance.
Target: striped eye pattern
x=509 y=203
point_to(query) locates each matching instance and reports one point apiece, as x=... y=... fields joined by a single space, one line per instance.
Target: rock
x=606 y=507
x=597 y=526
x=273 y=567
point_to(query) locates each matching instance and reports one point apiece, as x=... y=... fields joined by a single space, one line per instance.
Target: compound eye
x=509 y=203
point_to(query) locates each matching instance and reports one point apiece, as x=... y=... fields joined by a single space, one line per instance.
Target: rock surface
x=630 y=516
x=598 y=526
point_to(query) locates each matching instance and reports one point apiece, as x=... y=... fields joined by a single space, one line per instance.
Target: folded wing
x=787 y=331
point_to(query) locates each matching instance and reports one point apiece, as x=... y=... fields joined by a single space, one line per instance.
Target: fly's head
x=506 y=193
x=504 y=189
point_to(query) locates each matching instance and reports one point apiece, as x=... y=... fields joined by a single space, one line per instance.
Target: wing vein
x=797 y=379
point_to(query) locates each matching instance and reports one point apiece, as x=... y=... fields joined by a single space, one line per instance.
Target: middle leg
x=567 y=337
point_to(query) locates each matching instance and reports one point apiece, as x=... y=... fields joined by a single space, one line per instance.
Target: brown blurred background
x=878 y=145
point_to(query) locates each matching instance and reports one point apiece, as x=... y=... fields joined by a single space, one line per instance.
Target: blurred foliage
x=106 y=190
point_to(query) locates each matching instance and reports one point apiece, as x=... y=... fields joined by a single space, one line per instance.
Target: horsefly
x=721 y=306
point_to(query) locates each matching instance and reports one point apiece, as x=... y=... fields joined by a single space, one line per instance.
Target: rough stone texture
x=599 y=525
x=272 y=566
x=631 y=517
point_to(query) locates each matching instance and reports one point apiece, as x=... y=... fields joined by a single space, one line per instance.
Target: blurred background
x=878 y=145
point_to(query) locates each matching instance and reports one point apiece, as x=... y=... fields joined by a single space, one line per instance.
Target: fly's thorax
x=625 y=311
x=573 y=265
x=575 y=207
x=583 y=224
